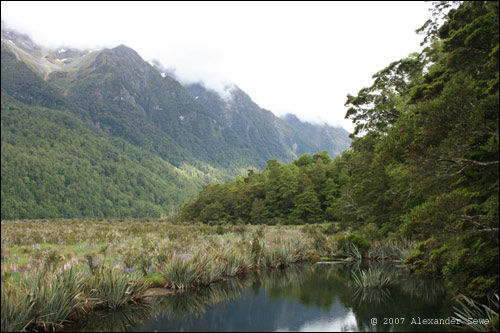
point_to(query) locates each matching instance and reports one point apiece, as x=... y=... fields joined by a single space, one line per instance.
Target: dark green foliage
x=299 y=192
x=353 y=239
x=55 y=165
x=424 y=160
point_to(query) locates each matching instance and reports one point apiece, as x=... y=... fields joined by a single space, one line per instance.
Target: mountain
x=254 y=125
x=105 y=133
x=126 y=97
x=273 y=137
x=320 y=137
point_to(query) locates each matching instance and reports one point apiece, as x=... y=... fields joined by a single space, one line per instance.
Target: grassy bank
x=56 y=270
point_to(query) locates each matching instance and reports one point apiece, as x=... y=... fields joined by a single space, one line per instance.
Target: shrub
x=353 y=245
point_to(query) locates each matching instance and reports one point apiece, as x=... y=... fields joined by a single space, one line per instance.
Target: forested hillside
x=55 y=165
x=102 y=133
x=66 y=153
x=423 y=164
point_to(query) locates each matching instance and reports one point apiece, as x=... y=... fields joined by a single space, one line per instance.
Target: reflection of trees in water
x=317 y=285
x=194 y=302
x=308 y=284
x=409 y=296
x=277 y=279
x=428 y=290
x=179 y=305
x=123 y=319
x=405 y=283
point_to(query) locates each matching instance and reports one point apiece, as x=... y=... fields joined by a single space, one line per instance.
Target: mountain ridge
x=136 y=111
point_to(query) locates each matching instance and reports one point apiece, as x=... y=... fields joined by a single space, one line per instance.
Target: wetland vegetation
x=419 y=186
x=61 y=274
x=84 y=265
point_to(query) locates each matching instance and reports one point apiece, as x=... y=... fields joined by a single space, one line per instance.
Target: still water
x=319 y=297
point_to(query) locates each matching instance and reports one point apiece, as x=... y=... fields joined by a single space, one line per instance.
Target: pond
x=309 y=297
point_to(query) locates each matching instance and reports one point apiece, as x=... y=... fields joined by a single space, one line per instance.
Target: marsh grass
x=17 y=309
x=41 y=299
x=112 y=288
x=398 y=249
x=373 y=278
x=75 y=266
x=353 y=251
x=235 y=259
x=181 y=273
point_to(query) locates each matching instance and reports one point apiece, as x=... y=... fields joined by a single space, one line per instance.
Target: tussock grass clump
x=353 y=251
x=372 y=278
x=17 y=309
x=42 y=299
x=234 y=259
x=392 y=250
x=204 y=266
x=113 y=288
x=181 y=272
x=284 y=251
x=211 y=269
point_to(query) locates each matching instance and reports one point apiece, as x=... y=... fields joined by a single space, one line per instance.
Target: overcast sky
x=297 y=57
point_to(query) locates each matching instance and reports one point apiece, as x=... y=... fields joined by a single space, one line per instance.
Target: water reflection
x=299 y=298
x=121 y=320
x=372 y=296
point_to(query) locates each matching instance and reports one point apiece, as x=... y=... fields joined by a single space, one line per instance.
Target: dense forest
x=423 y=162
x=55 y=165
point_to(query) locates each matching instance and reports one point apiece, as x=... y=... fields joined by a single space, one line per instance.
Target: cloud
x=295 y=57
x=192 y=65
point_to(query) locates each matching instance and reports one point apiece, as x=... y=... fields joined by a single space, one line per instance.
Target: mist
x=300 y=58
